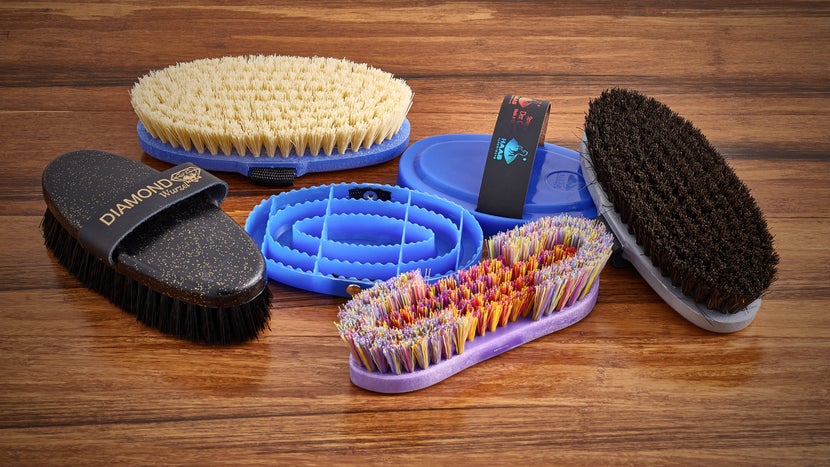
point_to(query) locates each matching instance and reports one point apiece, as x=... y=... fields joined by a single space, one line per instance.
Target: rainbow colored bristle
x=405 y=324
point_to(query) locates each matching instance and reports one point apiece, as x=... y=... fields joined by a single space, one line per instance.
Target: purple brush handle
x=479 y=349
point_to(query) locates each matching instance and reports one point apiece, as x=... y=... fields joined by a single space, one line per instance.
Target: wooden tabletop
x=82 y=382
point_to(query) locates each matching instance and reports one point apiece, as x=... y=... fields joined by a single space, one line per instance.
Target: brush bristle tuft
x=209 y=325
x=406 y=324
x=693 y=216
x=271 y=105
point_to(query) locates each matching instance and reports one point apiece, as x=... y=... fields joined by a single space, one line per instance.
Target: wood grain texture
x=82 y=383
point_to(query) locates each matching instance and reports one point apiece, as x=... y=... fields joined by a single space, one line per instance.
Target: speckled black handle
x=140 y=201
x=191 y=251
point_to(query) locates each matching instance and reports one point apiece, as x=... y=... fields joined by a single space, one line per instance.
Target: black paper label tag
x=520 y=129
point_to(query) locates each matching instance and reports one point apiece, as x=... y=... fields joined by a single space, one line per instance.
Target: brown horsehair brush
x=685 y=220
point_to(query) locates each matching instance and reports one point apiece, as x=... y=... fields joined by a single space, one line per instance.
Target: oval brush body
x=253 y=113
x=683 y=217
x=157 y=245
x=405 y=334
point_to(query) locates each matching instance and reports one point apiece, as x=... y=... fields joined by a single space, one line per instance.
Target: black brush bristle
x=209 y=325
x=694 y=218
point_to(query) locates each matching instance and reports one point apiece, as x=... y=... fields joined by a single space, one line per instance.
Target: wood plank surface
x=82 y=383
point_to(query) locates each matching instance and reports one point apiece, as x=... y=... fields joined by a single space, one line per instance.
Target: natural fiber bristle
x=271 y=105
x=693 y=216
x=185 y=320
x=405 y=324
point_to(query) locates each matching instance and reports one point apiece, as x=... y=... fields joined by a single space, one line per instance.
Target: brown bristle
x=693 y=216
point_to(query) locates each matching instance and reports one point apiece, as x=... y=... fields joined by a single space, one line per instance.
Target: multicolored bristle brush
x=405 y=334
x=683 y=217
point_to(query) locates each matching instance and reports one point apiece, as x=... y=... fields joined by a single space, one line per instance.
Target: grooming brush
x=683 y=217
x=157 y=245
x=406 y=334
x=451 y=166
x=338 y=239
x=454 y=166
x=272 y=118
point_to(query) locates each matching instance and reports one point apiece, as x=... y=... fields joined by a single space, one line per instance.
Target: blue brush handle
x=451 y=166
x=376 y=154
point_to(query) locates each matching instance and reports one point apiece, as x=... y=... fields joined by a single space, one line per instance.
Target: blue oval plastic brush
x=405 y=334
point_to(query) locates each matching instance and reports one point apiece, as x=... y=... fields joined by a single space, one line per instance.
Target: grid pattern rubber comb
x=337 y=239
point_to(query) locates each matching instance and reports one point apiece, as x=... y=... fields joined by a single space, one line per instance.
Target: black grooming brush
x=684 y=219
x=157 y=245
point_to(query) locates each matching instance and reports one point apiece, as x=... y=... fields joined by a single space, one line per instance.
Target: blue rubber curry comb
x=339 y=239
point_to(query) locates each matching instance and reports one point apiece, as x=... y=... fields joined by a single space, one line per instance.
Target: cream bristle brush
x=272 y=117
x=405 y=334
